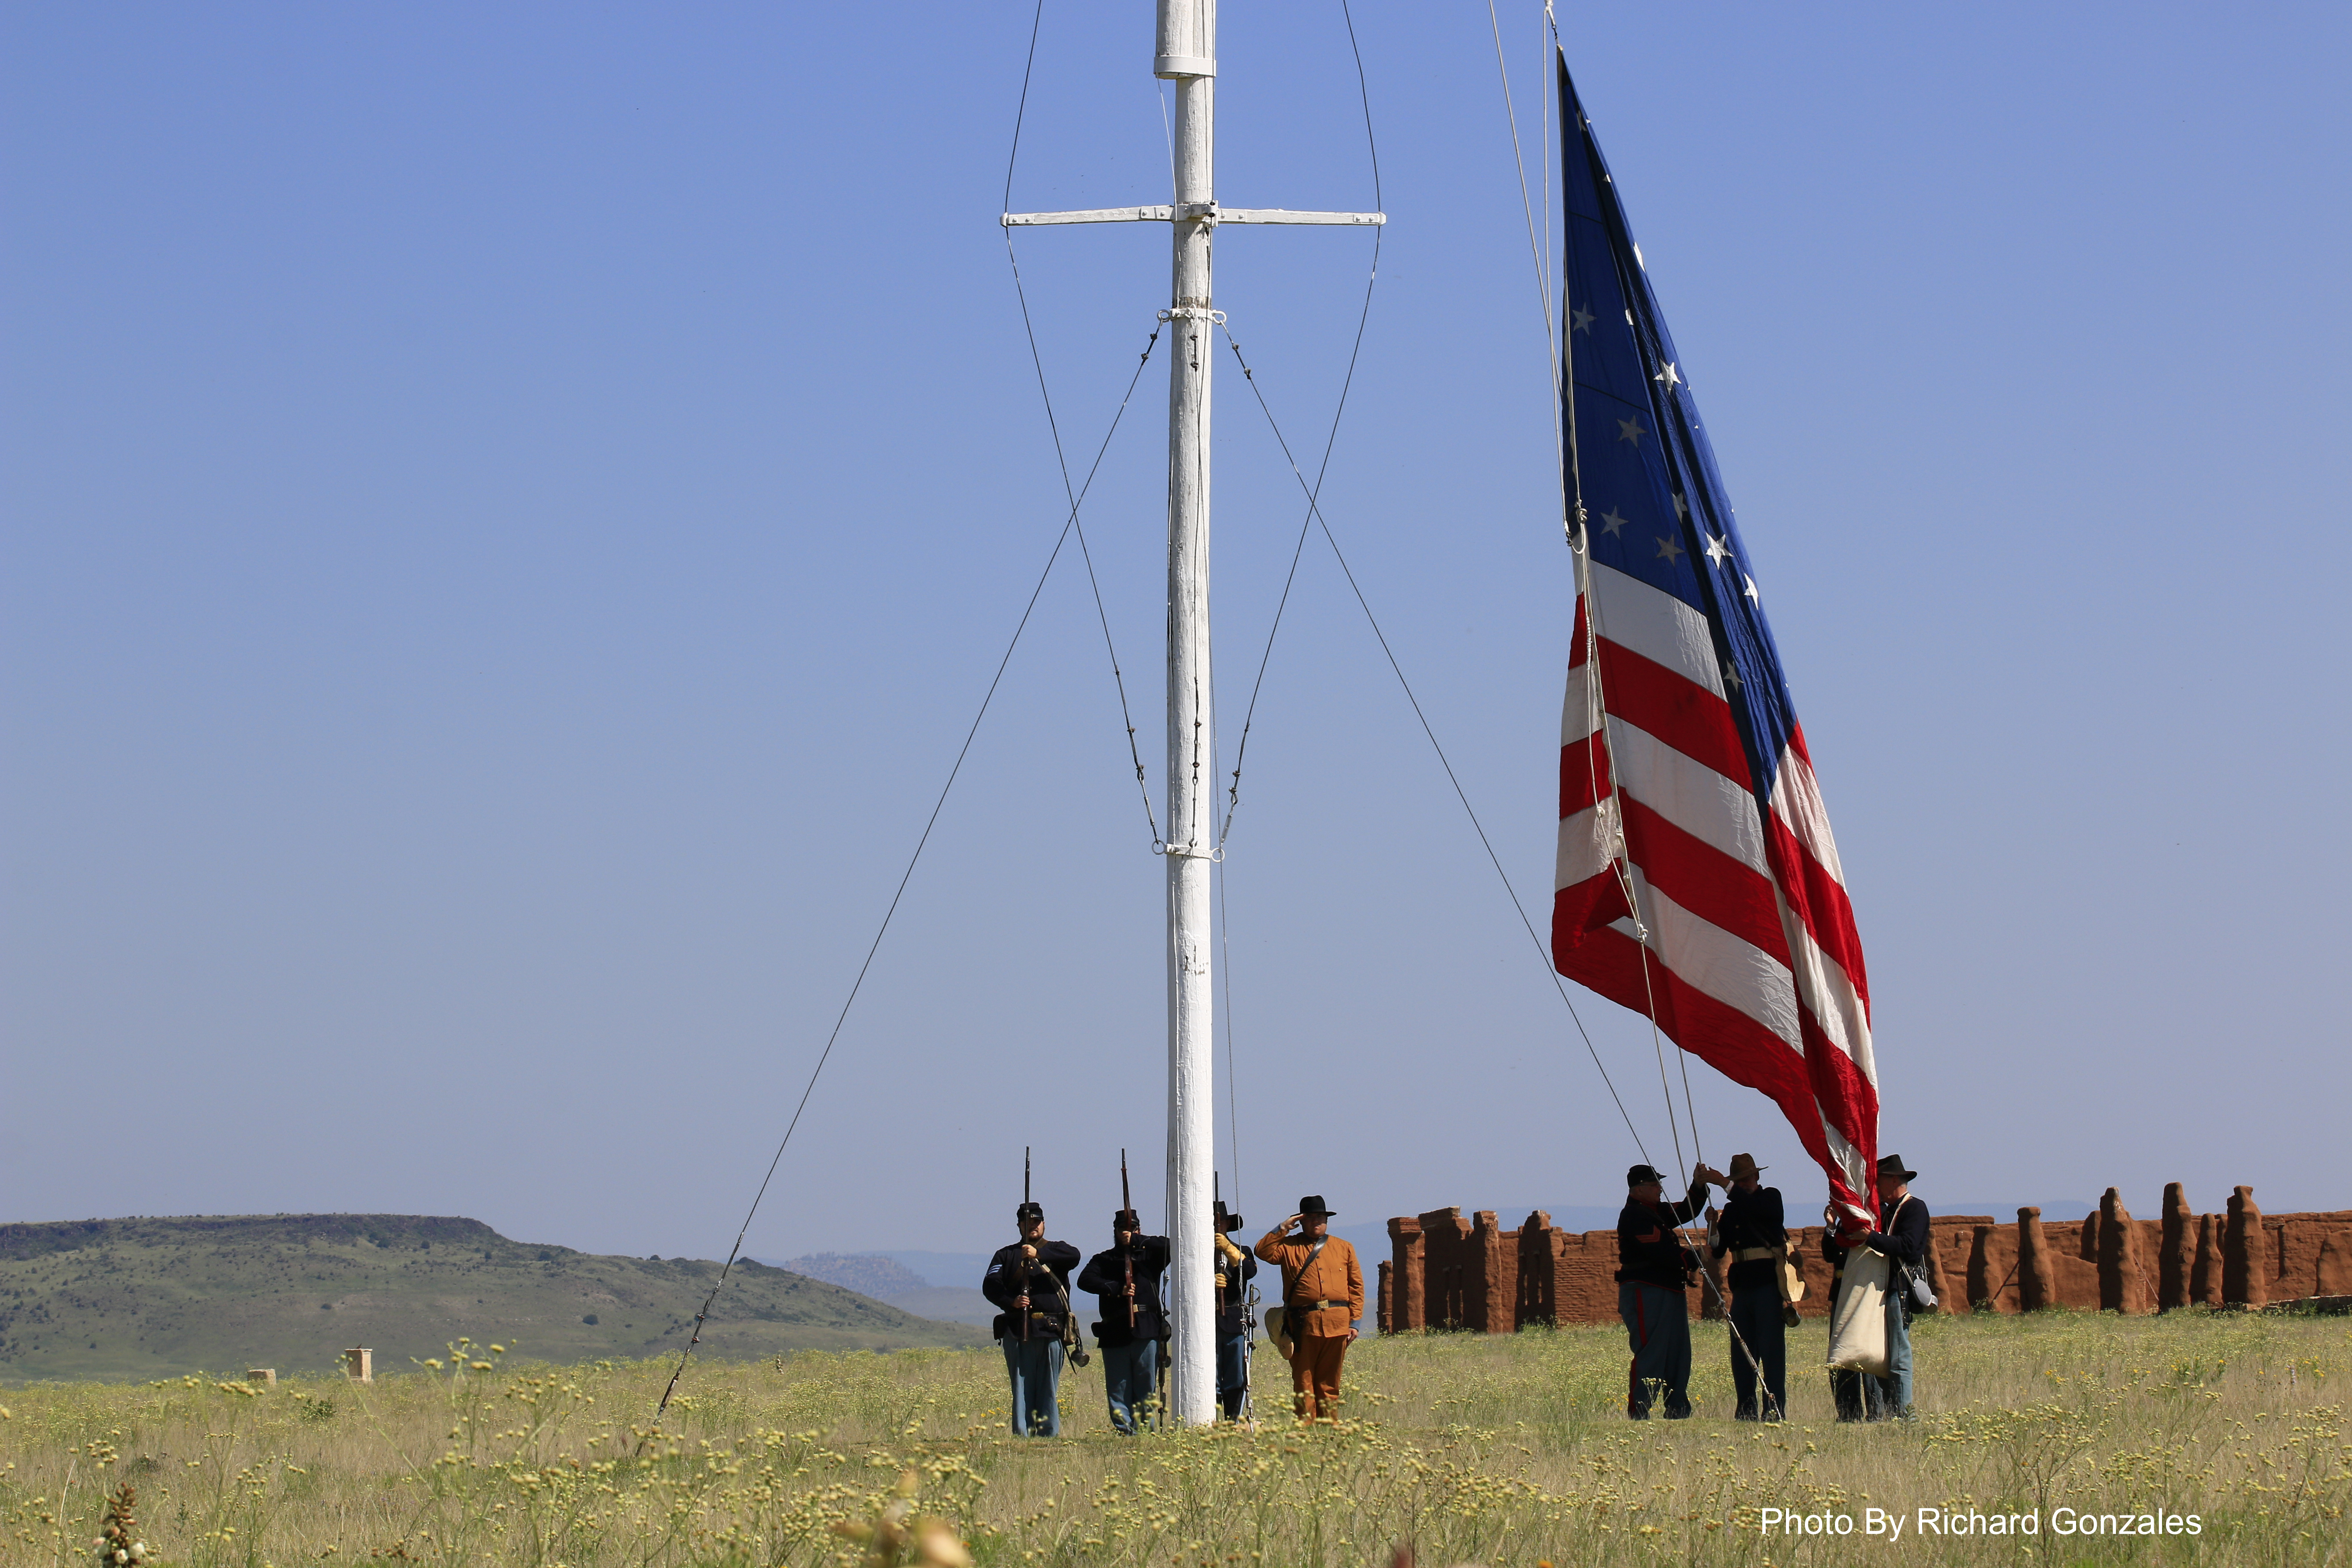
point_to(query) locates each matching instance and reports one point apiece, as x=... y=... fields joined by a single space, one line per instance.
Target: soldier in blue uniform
x=1029 y=1279
x=1236 y=1268
x=1752 y=1231
x=1902 y=1236
x=1130 y=1326
x=1654 y=1270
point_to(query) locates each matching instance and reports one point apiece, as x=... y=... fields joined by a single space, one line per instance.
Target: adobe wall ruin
x=1446 y=1272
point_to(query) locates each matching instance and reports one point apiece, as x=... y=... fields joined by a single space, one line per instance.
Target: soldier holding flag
x=1752 y=1231
x=1653 y=1267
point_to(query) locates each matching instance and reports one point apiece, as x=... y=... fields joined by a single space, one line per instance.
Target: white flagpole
x=1186 y=52
x=1187 y=55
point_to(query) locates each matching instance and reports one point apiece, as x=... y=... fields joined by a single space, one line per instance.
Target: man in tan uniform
x=1322 y=1298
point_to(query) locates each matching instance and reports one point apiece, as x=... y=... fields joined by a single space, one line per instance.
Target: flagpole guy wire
x=1249 y=715
x=1069 y=525
x=1331 y=440
x=1315 y=512
x=1053 y=426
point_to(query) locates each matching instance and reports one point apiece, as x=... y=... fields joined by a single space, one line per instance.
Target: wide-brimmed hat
x=1642 y=1176
x=1313 y=1203
x=1744 y=1165
x=1892 y=1165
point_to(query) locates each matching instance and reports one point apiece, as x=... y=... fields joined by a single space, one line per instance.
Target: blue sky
x=508 y=511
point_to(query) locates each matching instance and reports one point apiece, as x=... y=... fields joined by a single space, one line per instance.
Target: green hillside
x=121 y=1298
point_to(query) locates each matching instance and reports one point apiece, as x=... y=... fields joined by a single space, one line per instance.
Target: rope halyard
x=1535 y=251
x=1560 y=351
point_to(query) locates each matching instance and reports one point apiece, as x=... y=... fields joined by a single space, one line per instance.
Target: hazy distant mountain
x=148 y=1297
x=867 y=1273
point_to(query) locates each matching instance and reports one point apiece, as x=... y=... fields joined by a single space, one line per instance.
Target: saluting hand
x=1292 y=1222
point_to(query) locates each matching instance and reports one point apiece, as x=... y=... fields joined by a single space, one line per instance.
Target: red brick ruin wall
x=1448 y=1272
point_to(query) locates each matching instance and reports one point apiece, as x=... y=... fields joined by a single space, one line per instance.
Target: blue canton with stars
x=1655 y=505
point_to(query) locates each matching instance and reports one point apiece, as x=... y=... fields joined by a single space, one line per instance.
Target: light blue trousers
x=1034 y=1365
x=1130 y=1374
x=1894 y=1388
x=1657 y=1328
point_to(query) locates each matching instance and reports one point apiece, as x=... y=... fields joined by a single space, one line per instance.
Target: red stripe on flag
x=1817 y=901
x=1583 y=774
x=1672 y=707
x=1846 y=1097
x=1704 y=881
x=1727 y=1039
x=1585 y=907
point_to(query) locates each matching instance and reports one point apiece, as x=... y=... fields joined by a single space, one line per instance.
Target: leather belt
x=1755 y=1253
x=1317 y=1306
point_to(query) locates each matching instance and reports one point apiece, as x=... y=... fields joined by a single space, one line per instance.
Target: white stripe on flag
x=1696 y=798
x=1706 y=957
x=1576 y=712
x=1587 y=845
x=1797 y=801
x=1655 y=625
x=1828 y=991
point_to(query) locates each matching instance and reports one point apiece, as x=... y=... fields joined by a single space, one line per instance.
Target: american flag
x=1697 y=880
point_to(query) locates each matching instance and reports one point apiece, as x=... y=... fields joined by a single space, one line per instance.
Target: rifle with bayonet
x=1134 y=1239
x=1021 y=1292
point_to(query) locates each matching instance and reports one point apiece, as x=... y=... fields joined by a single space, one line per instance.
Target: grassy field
x=1470 y=1449
x=151 y=1298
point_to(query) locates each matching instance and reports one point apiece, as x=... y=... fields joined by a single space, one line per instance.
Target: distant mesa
x=124 y=1298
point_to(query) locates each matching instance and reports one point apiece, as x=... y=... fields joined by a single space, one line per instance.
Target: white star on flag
x=1631 y=431
x=1669 y=378
x=1716 y=550
x=1669 y=550
x=1582 y=320
x=1610 y=523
